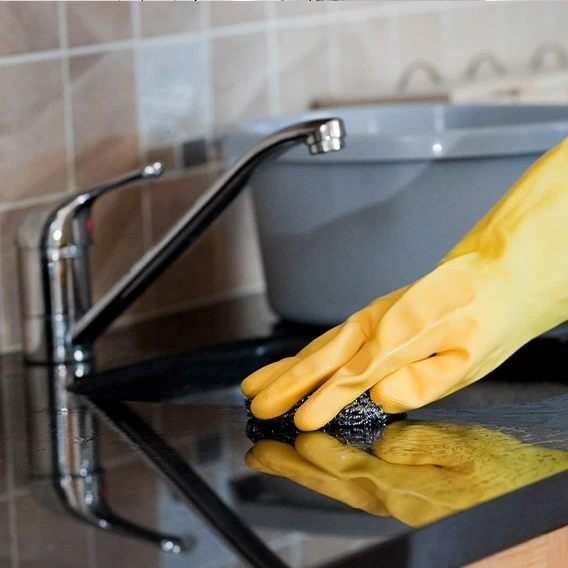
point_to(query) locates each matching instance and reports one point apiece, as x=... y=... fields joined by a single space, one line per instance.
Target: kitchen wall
x=90 y=90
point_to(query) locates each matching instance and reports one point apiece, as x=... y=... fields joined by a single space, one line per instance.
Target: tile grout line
x=54 y=197
x=67 y=97
x=223 y=31
x=274 y=102
x=32 y=201
x=30 y=57
x=136 y=26
x=145 y=202
x=10 y=483
x=206 y=47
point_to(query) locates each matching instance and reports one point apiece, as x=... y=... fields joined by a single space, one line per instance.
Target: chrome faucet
x=60 y=324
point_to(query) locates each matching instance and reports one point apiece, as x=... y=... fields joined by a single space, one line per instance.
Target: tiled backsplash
x=91 y=90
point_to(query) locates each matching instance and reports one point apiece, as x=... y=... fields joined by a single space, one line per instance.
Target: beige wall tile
x=173 y=102
x=104 y=116
x=28 y=27
x=238 y=258
x=419 y=38
x=10 y=322
x=44 y=536
x=193 y=274
x=32 y=133
x=97 y=22
x=365 y=64
x=225 y=257
x=233 y=59
x=304 y=69
x=118 y=241
x=165 y=154
x=161 y=18
x=231 y=13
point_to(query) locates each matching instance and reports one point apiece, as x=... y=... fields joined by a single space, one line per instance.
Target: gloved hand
x=503 y=284
x=418 y=472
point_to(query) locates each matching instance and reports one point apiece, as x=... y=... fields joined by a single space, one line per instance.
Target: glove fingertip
x=308 y=421
x=250 y=387
x=251 y=461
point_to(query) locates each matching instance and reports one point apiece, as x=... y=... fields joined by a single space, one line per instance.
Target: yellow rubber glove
x=418 y=472
x=505 y=283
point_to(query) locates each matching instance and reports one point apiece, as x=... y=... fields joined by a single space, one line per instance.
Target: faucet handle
x=54 y=268
x=88 y=196
x=71 y=224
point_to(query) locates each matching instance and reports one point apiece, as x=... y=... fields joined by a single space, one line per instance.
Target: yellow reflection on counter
x=418 y=471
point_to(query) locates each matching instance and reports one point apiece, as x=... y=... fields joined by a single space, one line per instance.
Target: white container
x=339 y=230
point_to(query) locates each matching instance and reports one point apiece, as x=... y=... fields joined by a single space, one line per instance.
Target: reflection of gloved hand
x=418 y=472
x=505 y=283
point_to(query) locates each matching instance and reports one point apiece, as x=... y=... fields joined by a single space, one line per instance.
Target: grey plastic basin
x=339 y=230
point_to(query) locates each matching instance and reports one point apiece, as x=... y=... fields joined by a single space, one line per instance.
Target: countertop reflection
x=475 y=474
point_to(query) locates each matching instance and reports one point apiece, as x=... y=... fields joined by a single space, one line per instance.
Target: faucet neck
x=320 y=136
x=60 y=325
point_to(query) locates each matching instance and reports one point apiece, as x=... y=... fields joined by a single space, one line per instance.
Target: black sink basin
x=212 y=375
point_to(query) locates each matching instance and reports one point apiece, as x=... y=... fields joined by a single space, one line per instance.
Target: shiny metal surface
x=65 y=467
x=321 y=136
x=59 y=324
x=54 y=272
x=182 y=478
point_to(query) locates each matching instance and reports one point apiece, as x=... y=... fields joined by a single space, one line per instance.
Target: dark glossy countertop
x=473 y=474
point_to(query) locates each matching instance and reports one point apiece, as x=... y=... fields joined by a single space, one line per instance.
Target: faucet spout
x=321 y=136
x=59 y=321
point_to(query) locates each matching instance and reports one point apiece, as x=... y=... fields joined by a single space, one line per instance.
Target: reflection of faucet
x=59 y=324
x=186 y=483
x=65 y=470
